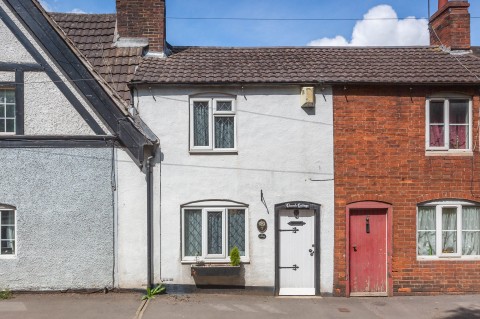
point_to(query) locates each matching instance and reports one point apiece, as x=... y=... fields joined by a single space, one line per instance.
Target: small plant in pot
x=235 y=257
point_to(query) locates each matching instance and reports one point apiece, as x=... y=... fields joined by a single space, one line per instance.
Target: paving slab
x=201 y=306
x=71 y=306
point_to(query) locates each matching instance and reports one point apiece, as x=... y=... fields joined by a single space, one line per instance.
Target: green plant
x=5 y=294
x=152 y=292
x=235 y=257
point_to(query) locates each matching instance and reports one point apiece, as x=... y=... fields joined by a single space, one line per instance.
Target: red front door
x=368 y=252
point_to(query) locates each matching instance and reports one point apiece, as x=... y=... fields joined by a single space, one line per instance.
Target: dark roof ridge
x=82 y=14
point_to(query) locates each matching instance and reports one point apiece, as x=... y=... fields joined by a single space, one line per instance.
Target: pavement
x=212 y=306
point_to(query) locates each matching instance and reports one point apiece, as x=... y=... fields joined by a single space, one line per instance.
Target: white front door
x=297 y=253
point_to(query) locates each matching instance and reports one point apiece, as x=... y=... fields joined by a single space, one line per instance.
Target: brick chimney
x=450 y=25
x=141 y=23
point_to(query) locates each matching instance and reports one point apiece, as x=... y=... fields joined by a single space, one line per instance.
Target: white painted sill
x=449 y=153
x=213 y=152
x=213 y=262
x=8 y=257
x=451 y=258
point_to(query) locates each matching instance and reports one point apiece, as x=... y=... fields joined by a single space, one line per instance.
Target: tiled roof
x=93 y=35
x=408 y=65
x=476 y=51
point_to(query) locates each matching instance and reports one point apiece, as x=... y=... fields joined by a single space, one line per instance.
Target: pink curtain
x=458 y=136
x=437 y=137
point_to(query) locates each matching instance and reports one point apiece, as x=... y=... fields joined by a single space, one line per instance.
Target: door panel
x=368 y=252
x=297 y=253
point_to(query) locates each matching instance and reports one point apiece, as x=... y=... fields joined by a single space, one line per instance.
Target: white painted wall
x=281 y=147
x=47 y=111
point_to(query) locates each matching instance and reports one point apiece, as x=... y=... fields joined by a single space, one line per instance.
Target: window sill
x=449 y=153
x=213 y=152
x=8 y=257
x=452 y=258
x=213 y=262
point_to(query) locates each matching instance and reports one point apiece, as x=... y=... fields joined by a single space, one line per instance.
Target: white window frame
x=212 y=114
x=2 y=90
x=438 y=231
x=446 y=115
x=214 y=258
x=9 y=209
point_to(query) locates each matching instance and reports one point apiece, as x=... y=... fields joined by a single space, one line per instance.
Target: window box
x=215 y=270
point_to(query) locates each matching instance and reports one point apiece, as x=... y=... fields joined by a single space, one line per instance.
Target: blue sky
x=272 y=33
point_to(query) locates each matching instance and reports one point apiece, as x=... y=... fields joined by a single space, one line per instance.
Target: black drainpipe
x=149 y=223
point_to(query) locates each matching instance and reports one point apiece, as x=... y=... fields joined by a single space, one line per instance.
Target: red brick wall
x=452 y=26
x=380 y=156
x=142 y=19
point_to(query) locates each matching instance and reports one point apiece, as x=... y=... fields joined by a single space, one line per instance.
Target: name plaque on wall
x=262 y=225
x=297 y=206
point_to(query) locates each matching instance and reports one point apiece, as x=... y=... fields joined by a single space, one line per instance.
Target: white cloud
x=388 y=32
x=76 y=10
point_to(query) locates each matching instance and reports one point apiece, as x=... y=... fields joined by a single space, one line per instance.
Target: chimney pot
x=441 y=3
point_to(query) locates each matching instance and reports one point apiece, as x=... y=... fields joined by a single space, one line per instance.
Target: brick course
x=380 y=156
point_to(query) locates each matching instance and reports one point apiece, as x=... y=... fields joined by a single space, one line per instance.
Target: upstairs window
x=7 y=233
x=449 y=125
x=7 y=112
x=449 y=229
x=212 y=124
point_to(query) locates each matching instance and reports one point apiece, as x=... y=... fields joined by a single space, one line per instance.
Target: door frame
x=316 y=212
x=371 y=205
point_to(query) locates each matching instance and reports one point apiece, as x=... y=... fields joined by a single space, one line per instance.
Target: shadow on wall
x=462 y=313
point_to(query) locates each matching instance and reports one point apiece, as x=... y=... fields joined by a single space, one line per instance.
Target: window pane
x=427 y=243
x=225 y=132
x=193 y=232
x=214 y=233
x=8 y=218
x=426 y=218
x=459 y=112
x=2 y=111
x=459 y=136
x=200 y=123
x=8 y=233
x=10 y=111
x=437 y=135
x=224 y=105
x=449 y=233
x=236 y=230
x=449 y=218
x=3 y=98
x=437 y=112
x=2 y=125
x=471 y=218
x=10 y=126
x=471 y=243
x=7 y=247
x=10 y=96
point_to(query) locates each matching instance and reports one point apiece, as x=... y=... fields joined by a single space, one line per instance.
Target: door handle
x=355 y=248
x=311 y=251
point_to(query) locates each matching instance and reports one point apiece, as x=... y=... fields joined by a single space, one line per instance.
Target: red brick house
x=407 y=186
